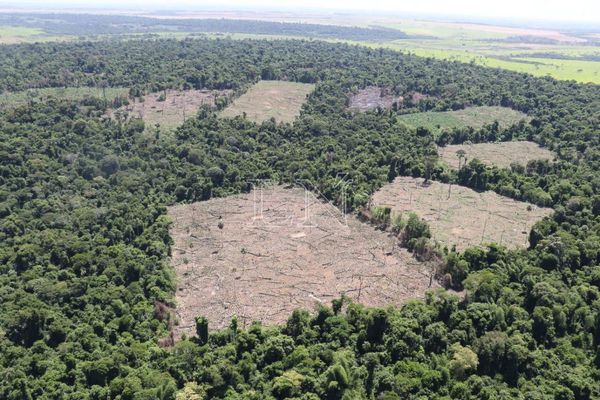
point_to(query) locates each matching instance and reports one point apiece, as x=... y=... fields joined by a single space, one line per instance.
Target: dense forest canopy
x=90 y=25
x=84 y=239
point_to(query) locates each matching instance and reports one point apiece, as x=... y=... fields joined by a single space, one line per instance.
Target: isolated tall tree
x=202 y=330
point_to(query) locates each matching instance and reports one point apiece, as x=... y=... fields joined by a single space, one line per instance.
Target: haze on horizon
x=585 y=11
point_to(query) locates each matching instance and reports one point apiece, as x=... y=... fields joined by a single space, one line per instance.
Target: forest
x=85 y=282
x=91 y=25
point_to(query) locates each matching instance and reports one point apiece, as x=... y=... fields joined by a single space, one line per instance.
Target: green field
x=475 y=117
x=17 y=34
x=11 y=99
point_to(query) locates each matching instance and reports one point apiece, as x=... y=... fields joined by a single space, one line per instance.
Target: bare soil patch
x=270 y=99
x=259 y=256
x=501 y=154
x=373 y=97
x=460 y=216
x=177 y=106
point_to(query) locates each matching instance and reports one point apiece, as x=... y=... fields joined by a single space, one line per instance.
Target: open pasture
x=259 y=256
x=460 y=216
x=270 y=99
x=501 y=154
x=18 y=34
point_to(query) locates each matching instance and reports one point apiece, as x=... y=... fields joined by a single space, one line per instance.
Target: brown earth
x=371 y=98
x=259 y=256
x=178 y=106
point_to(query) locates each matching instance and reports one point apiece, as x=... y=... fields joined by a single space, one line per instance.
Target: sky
x=552 y=10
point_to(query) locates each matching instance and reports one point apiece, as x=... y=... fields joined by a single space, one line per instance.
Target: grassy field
x=461 y=216
x=10 y=99
x=18 y=34
x=475 y=117
x=270 y=99
x=487 y=45
x=501 y=154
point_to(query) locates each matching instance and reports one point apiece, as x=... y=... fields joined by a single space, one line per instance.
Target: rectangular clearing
x=270 y=99
x=171 y=108
x=474 y=117
x=460 y=216
x=259 y=256
x=501 y=154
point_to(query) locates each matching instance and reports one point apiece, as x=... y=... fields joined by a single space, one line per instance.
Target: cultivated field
x=475 y=117
x=261 y=255
x=460 y=216
x=501 y=154
x=270 y=99
x=177 y=106
x=11 y=99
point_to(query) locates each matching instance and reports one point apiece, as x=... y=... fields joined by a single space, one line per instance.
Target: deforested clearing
x=372 y=97
x=460 y=216
x=270 y=99
x=474 y=117
x=501 y=154
x=170 y=108
x=259 y=256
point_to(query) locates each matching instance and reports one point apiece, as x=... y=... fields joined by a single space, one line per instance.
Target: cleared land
x=270 y=99
x=460 y=216
x=18 y=34
x=261 y=255
x=501 y=154
x=11 y=99
x=372 y=97
x=171 y=108
x=475 y=117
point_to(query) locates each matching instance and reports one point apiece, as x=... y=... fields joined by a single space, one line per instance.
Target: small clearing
x=474 y=117
x=371 y=98
x=501 y=154
x=171 y=108
x=261 y=255
x=270 y=99
x=461 y=216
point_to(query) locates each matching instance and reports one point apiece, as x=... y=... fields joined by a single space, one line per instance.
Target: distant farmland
x=270 y=99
